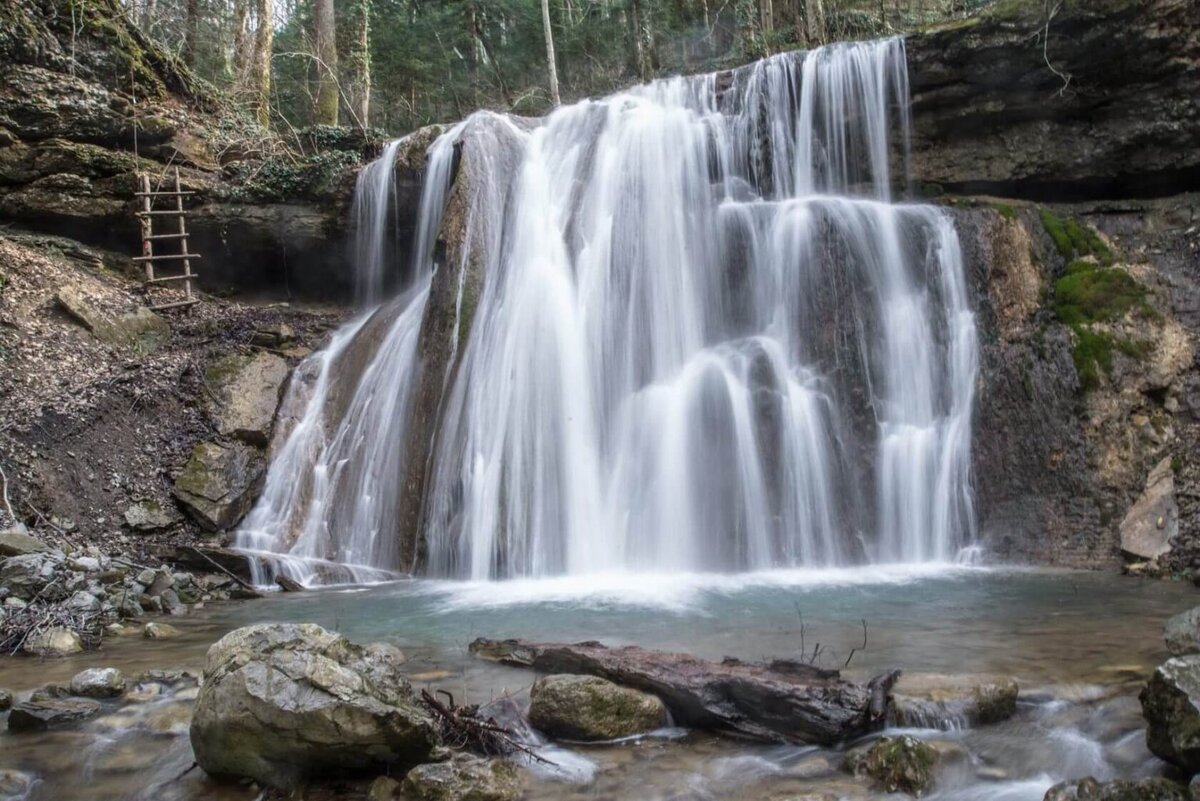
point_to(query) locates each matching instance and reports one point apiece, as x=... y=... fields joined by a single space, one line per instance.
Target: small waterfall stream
x=706 y=338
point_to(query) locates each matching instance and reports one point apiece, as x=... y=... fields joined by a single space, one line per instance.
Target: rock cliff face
x=1065 y=446
x=1100 y=100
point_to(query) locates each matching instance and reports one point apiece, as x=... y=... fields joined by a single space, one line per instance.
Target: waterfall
x=706 y=338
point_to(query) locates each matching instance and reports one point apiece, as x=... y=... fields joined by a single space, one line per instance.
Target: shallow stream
x=1080 y=644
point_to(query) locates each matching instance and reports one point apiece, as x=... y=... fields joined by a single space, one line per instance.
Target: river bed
x=1080 y=644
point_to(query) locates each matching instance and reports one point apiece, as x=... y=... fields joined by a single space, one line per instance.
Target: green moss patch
x=1090 y=293
x=1075 y=240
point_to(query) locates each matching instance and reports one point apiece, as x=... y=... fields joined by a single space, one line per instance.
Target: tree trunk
x=357 y=67
x=149 y=12
x=814 y=22
x=260 y=66
x=239 y=58
x=782 y=701
x=325 y=103
x=550 y=62
x=191 y=32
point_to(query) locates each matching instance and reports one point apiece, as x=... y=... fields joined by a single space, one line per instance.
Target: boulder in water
x=283 y=702
x=219 y=483
x=463 y=778
x=59 y=641
x=1088 y=789
x=98 y=683
x=1182 y=633
x=896 y=764
x=590 y=708
x=1171 y=707
x=50 y=713
x=6 y=700
x=936 y=700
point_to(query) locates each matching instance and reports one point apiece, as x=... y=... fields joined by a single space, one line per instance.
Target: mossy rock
x=896 y=764
x=219 y=483
x=588 y=708
x=1088 y=789
x=462 y=778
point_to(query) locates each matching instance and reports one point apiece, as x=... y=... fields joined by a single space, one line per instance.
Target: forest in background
x=395 y=65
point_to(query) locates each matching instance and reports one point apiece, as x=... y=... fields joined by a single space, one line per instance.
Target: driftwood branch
x=464 y=727
x=780 y=701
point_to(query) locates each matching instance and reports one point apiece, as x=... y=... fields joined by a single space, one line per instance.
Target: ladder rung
x=167 y=257
x=163 y=279
x=172 y=212
x=163 y=194
x=175 y=305
x=166 y=236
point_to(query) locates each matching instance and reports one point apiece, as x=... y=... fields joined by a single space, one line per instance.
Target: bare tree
x=325 y=105
x=550 y=62
x=191 y=31
x=260 y=65
x=357 y=66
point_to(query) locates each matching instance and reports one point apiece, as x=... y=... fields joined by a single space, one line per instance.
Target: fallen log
x=778 y=702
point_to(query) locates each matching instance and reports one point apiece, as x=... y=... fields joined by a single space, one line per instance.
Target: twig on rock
x=463 y=727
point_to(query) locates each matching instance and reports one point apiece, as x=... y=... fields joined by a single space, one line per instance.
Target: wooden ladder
x=149 y=257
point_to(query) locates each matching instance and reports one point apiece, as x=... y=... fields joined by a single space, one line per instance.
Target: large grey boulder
x=1182 y=633
x=219 y=483
x=1151 y=524
x=283 y=702
x=463 y=778
x=591 y=708
x=244 y=394
x=1170 y=706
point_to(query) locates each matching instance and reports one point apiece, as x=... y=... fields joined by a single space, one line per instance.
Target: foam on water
x=672 y=591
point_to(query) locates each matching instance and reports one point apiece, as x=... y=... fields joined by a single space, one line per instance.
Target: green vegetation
x=1006 y=211
x=1090 y=293
x=1074 y=240
x=282 y=178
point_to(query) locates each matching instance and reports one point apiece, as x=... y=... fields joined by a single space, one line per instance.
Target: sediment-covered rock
x=1171 y=707
x=591 y=708
x=219 y=483
x=463 y=778
x=280 y=703
x=50 y=713
x=782 y=701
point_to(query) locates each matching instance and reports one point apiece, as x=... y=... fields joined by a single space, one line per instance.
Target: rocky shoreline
x=296 y=708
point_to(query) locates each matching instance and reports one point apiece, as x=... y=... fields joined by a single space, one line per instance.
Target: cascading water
x=706 y=339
